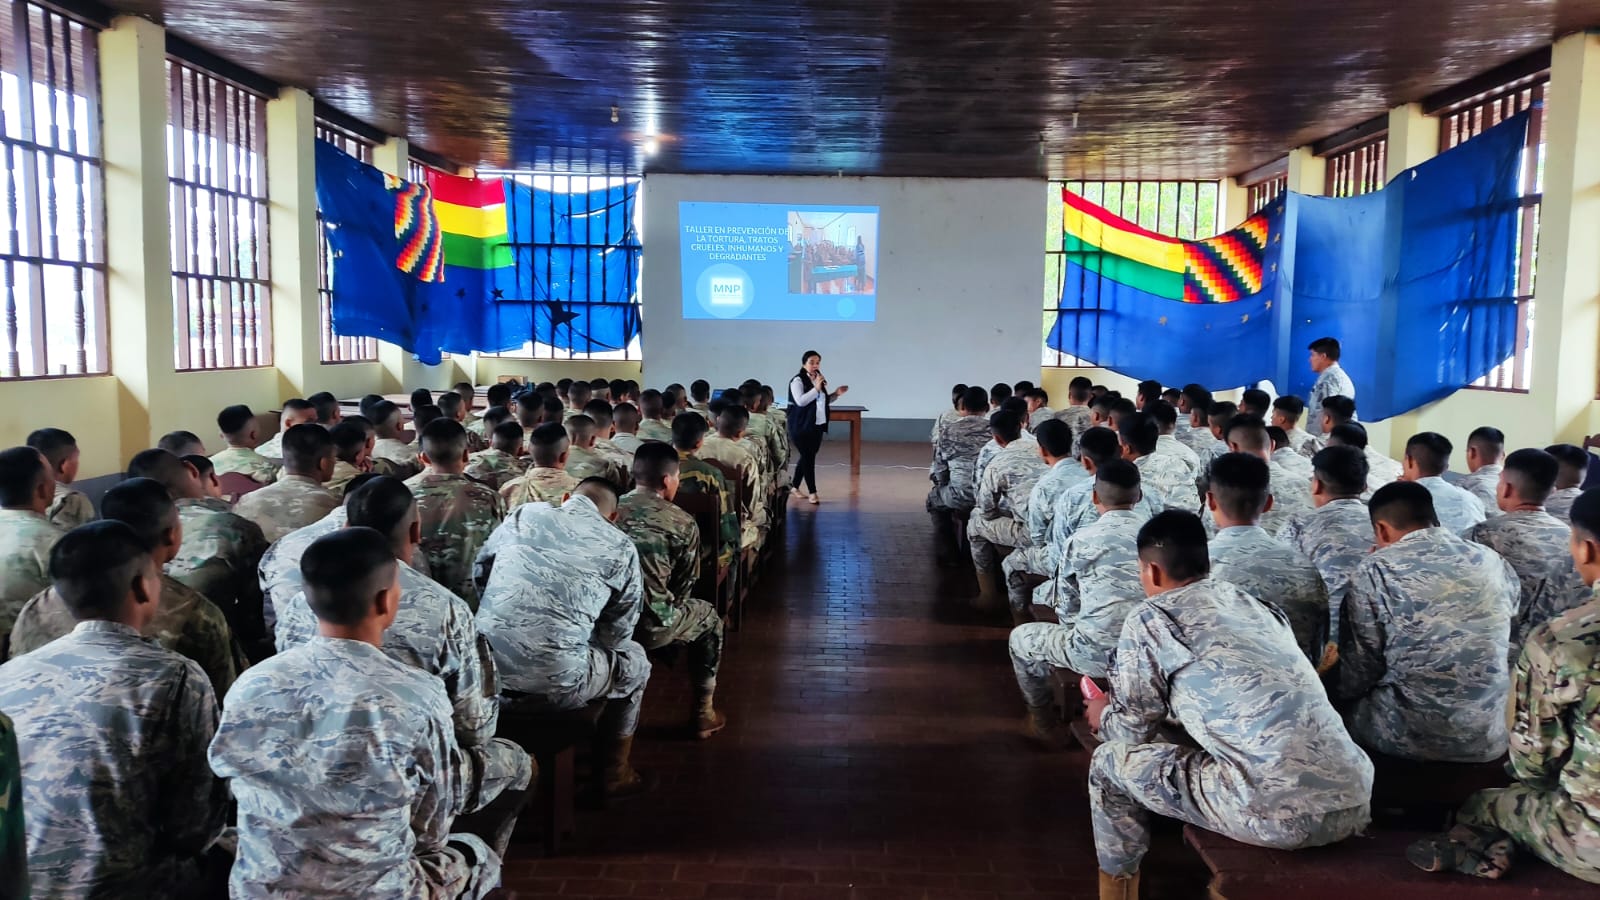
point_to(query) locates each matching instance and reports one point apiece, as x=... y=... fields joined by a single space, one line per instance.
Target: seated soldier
x=1027 y=568
x=1194 y=428
x=1290 y=493
x=600 y=412
x=1166 y=417
x=600 y=389
x=950 y=415
x=295 y=412
x=724 y=447
x=1337 y=532
x=626 y=422
x=421 y=397
x=184 y=621
x=182 y=443
x=453 y=408
x=1381 y=470
x=210 y=487
x=238 y=426
x=1018 y=407
x=69 y=508
x=655 y=421
x=1263 y=758
x=1574 y=462
x=668 y=542
x=456 y=514
x=583 y=461
x=1286 y=414
x=498 y=396
x=772 y=431
x=502 y=463
x=393 y=444
x=1424 y=637
x=1000 y=515
x=434 y=630
x=1255 y=402
x=1336 y=410
x=1038 y=400
x=343 y=760
x=1245 y=555
x=756 y=437
x=1289 y=459
x=1486 y=450
x=1099 y=585
x=579 y=393
x=953 y=473
x=1551 y=810
x=112 y=732
x=563 y=390
x=26 y=489
x=368 y=403
x=561 y=623
x=1524 y=534
x=696 y=476
x=529 y=411
x=546 y=480
x=220 y=549
x=1218 y=415
x=1145 y=393
x=352 y=452
x=327 y=406
x=13 y=834
x=1427 y=459
x=280 y=565
x=700 y=397
x=999 y=393
x=423 y=416
x=299 y=496
x=1167 y=478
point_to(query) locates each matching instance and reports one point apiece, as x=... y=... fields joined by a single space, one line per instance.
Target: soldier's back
x=456 y=516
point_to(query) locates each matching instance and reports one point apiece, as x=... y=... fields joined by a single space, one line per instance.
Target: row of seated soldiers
x=351 y=671
x=1269 y=620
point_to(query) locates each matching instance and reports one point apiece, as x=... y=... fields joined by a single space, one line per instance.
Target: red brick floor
x=873 y=747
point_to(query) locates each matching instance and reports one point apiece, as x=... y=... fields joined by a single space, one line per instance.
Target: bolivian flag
x=472 y=215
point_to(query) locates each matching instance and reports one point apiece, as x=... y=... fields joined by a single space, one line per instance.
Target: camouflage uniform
x=955 y=461
x=1554 y=808
x=752 y=502
x=1075 y=510
x=940 y=424
x=1533 y=542
x=668 y=542
x=586 y=463
x=345 y=768
x=1559 y=588
x=1274 y=766
x=1456 y=508
x=655 y=430
x=25 y=542
x=279 y=572
x=1077 y=419
x=1337 y=536
x=434 y=631
x=627 y=442
x=1381 y=470
x=1102 y=563
x=293 y=501
x=399 y=453
x=1483 y=484
x=13 y=833
x=112 y=732
x=1042 y=414
x=1296 y=465
x=1169 y=445
x=772 y=434
x=1301 y=440
x=1000 y=515
x=69 y=508
x=218 y=558
x=271 y=449
x=696 y=476
x=343 y=474
x=562 y=594
x=246 y=462
x=496 y=468
x=185 y=622
x=607 y=448
x=1035 y=560
x=993 y=449
x=1273 y=572
x=1197 y=439
x=779 y=435
x=1331 y=382
x=542 y=484
x=1169 y=479
x=1422 y=649
x=1560 y=503
x=457 y=516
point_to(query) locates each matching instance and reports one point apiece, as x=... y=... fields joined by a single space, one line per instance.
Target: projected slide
x=770 y=261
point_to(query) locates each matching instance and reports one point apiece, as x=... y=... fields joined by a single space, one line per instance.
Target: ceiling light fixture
x=651 y=146
x=616 y=114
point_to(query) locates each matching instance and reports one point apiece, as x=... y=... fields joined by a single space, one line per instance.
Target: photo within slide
x=779 y=262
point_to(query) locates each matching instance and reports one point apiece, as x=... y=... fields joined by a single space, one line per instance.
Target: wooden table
x=851 y=414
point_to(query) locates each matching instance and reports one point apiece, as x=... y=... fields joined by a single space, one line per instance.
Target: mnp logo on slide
x=724 y=290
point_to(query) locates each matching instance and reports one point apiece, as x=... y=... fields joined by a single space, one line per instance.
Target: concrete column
x=133 y=103
x=1235 y=199
x=292 y=219
x=1308 y=172
x=1566 y=357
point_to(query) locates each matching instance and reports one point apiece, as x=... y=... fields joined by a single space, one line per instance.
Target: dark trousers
x=807 y=443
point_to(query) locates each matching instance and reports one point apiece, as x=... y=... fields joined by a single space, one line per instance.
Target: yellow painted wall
x=87 y=407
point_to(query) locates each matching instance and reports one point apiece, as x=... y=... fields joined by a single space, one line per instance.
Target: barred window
x=1182 y=209
x=338 y=348
x=583 y=199
x=53 y=242
x=1358 y=169
x=1258 y=195
x=1469 y=119
x=217 y=193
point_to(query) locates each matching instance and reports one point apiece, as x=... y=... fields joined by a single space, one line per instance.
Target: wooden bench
x=1375 y=863
x=1425 y=794
x=714 y=582
x=552 y=740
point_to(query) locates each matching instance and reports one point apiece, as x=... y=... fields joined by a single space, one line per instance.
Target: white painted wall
x=960 y=286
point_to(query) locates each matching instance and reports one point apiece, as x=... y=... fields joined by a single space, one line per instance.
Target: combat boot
x=619 y=778
x=989 y=596
x=1044 y=727
x=1115 y=887
x=706 y=721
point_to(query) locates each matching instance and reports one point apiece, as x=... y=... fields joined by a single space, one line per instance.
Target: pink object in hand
x=1091 y=691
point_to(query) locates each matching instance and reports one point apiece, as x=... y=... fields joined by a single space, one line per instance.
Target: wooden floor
x=873 y=749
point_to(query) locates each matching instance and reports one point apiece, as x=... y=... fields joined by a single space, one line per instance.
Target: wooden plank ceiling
x=1065 y=88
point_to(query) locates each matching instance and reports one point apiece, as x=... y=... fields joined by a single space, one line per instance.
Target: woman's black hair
x=807 y=355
